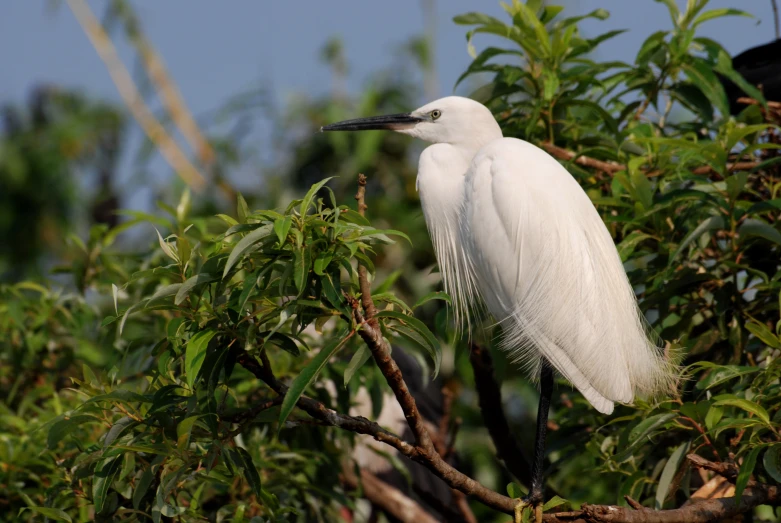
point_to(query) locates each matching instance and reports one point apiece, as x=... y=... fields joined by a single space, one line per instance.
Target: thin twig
x=363 y=280
x=775 y=105
x=133 y=99
x=728 y=470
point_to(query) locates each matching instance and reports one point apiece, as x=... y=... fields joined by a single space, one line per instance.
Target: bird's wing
x=548 y=270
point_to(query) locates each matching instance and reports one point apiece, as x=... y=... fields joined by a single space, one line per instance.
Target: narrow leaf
x=749 y=406
x=191 y=283
x=772 y=462
x=358 y=360
x=244 y=245
x=250 y=472
x=746 y=469
x=195 y=354
x=105 y=473
x=307 y=375
x=668 y=474
x=282 y=227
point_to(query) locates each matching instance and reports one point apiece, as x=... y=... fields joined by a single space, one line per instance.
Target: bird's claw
x=522 y=506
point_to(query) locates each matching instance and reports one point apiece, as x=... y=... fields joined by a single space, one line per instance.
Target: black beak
x=392 y=122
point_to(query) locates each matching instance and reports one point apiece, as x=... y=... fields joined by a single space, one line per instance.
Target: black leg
x=546 y=391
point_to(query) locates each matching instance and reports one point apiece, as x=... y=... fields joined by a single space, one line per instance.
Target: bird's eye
x=436 y=113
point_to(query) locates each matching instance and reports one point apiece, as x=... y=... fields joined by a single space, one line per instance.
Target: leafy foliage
x=698 y=235
x=127 y=400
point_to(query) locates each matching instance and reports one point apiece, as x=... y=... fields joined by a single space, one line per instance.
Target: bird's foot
x=533 y=504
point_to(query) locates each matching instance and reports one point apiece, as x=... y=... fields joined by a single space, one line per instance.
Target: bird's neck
x=480 y=138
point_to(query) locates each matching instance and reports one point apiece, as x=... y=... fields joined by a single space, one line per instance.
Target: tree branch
x=172 y=98
x=612 y=168
x=489 y=397
x=425 y=453
x=133 y=99
x=392 y=501
x=728 y=470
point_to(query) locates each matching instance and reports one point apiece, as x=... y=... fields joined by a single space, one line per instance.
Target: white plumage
x=513 y=230
x=511 y=226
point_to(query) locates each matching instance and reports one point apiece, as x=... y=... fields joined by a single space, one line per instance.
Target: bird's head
x=454 y=120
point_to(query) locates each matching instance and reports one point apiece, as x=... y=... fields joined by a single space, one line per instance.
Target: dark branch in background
x=490 y=401
x=775 y=18
x=387 y=498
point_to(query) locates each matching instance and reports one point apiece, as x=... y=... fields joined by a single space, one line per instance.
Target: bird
x=514 y=232
x=761 y=67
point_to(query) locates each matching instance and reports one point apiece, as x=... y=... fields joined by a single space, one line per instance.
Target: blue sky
x=217 y=49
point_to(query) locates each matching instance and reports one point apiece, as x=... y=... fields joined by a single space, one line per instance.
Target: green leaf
x=712 y=223
x=418 y=327
x=310 y=195
x=514 y=490
x=630 y=243
x=308 y=374
x=114 y=291
x=183 y=208
x=63 y=427
x=772 y=462
x=554 y=502
x=761 y=331
x=749 y=406
x=475 y=19
x=241 y=208
x=51 y=513
x=701 y=74
x=195 y=354
x=301 y=266
x=746 y=469
x=668 y=474
x=672 y=7
x=752 y=227
x=191 y=283
x=166 y=247
x=644 y=430
x=550 y=83
x=183 y=430
x=322 y=262
x=718 y=13
x=142 y=487
x=358 y=360
x=244 y=245
x=118 y=428
x=250 y=472
x=283 y=342
x=105 y=473
x=713 y=416
x=282 y=227
x=435 y=295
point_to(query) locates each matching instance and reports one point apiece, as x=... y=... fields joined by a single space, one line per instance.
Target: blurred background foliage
x=105 y=415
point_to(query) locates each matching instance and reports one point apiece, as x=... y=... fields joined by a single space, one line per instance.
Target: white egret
x=513 y=230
